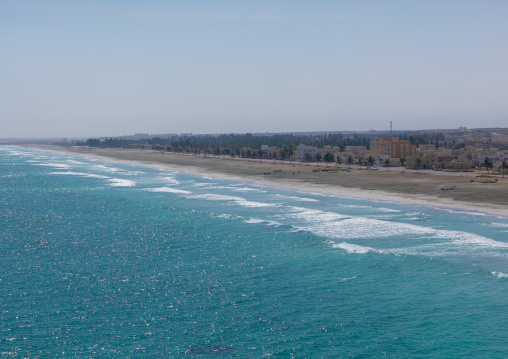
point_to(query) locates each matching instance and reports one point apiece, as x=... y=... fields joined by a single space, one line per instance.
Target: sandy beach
x=408 y=187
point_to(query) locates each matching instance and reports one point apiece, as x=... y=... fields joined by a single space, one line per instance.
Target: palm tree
x=338 y=161
x=387 y=163
x=360 y=162
x=370 y=161
x=328 y=157
x=349 y=160
x=487 y=162
x=418 y=163
x=403 y=163
x=290 y=153
x=307 y=157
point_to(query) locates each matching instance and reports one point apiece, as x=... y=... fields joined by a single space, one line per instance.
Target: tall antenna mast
x=391 y=132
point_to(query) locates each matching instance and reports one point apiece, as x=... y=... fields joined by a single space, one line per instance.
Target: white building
x=302 y=150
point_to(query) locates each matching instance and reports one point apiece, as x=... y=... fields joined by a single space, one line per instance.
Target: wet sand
x=422 y=188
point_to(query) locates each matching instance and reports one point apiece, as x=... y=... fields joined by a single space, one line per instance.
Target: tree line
x=249 y=145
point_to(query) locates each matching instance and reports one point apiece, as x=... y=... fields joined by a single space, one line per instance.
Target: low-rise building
x=305 y=153
x=391 y=147
x=457 y=166
x=426 y=148
x=356 y=150
x=269 y=152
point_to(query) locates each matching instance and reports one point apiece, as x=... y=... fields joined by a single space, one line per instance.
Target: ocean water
x=101 y=259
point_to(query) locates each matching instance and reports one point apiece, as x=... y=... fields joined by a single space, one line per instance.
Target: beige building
x=269 y=152
x=391 y=147
x=428 y=160
x=357 y=150
x=426 y=148
x=457 y=166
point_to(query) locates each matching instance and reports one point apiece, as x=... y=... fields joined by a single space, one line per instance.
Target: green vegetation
x=504 y=166
x=438 y=139
x=487 y=163
x=370 y=161
x=213 y=142
x=418 y=163
x=328 y=157
x=402 y=162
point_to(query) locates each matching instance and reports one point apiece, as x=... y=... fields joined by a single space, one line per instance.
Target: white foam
x=217 y=187
x=205 y=184
x=354 y=248
x=15 y=153
x=354 y=206
x=456 y=211
x=468 y=238
x=118 y=182
x=383 y=209
x=237 y=200
x=444 y=242
x=171 y=180
x=82 y=174
x=247 y=189
x=55 y=165
x=108 y=169
x=168 y=190
x=470 y=244
x=314 y=215
x=256 y=221
x=499 y=274
x=229 y=216
x=499 y=225
x=232 y=188
x=429 y=250
x=294 y=198
x=217 y=197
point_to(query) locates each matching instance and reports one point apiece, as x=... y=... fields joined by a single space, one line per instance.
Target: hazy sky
x=93 y=68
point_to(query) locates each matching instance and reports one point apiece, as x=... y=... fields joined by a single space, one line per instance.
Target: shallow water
x=105 y=259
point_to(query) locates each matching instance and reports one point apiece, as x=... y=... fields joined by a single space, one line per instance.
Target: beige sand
x=397 y=186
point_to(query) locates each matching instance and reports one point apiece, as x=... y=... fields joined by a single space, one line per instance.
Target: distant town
x=455 y=150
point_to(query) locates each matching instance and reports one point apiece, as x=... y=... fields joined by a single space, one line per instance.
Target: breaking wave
x=168 y=190
x=237 y=200
x=119 y=182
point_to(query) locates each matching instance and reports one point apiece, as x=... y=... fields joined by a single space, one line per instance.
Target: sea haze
x=102 y=259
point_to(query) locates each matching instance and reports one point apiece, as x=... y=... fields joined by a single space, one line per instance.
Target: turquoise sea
x=107 y=260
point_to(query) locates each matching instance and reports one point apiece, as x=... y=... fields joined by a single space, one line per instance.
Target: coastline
x=375 y=185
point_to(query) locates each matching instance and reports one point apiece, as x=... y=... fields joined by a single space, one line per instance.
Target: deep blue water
x=102 y=259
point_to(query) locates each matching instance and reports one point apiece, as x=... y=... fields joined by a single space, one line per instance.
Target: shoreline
x=374 y=185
